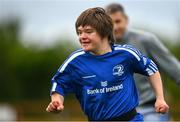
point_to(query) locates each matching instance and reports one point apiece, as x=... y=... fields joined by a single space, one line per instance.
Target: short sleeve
x=144 y=66
x=62 y=82
x=140 y=63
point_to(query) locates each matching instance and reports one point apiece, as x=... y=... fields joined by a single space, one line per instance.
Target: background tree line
x=25 y=73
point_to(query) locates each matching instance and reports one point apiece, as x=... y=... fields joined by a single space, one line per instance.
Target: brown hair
x=98 y=19
x=114 y=7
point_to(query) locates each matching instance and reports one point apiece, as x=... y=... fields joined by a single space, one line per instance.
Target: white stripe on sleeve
x=54 y=87
x=154 y=70
x=130 y=51
x=150 y=72
x=154 y=65
x=69 y=60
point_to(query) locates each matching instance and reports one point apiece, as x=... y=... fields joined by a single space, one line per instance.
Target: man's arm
x=56 y=104
x=156 y=83
x=163 y=57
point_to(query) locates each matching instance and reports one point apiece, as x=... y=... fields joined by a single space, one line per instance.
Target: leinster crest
x=118 y=70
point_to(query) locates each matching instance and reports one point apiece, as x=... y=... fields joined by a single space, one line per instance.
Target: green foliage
x=25 y=73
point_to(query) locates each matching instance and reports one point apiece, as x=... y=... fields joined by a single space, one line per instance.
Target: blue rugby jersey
x=104 y=84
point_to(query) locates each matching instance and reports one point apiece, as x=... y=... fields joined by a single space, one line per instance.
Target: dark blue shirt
x=104 y=84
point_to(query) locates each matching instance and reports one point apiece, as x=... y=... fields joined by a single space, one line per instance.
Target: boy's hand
x=161 y=106
x=56 y=104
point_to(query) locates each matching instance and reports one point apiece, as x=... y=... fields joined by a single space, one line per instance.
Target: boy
x=101 y=74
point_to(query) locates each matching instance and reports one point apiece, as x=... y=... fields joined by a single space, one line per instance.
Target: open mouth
x=85 y=43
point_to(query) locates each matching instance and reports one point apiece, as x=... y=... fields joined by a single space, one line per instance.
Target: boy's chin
x=86 y=49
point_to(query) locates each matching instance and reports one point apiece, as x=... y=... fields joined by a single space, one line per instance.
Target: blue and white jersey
x=103 y=84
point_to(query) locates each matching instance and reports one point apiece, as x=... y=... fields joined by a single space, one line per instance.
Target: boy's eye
x=89 y=31
x=79 y=32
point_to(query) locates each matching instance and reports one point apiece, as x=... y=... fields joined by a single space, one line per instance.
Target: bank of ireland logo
x=118 y=70
x=104 y=83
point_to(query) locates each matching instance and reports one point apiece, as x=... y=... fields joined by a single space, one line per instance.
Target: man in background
x=149 y=45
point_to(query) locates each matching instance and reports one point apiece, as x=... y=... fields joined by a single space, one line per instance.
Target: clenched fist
x=56 y=104
x=161 y=106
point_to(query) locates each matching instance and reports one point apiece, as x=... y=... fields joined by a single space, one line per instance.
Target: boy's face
x=89 y=39
x=120 y=22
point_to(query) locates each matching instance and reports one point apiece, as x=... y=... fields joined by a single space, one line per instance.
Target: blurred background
x=36 y=36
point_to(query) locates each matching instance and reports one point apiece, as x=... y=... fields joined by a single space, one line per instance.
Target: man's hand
x=56 y=104
x=161 y=106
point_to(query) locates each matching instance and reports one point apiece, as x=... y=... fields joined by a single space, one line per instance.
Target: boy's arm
x=56 y=104
x=156 y=82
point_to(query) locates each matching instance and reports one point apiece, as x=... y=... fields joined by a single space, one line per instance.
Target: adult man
x=101 y=74
x=149 y=45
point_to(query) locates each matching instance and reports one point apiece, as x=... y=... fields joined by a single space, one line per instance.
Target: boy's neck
x=103 y=49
